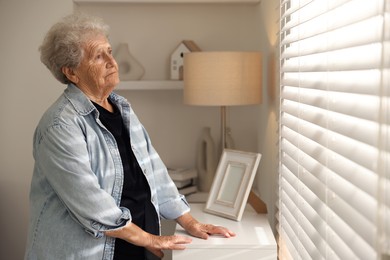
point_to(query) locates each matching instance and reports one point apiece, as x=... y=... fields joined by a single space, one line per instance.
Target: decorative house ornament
x=177 y=58
x=129 y=67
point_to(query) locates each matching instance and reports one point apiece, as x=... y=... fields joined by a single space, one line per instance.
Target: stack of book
x=184 y=179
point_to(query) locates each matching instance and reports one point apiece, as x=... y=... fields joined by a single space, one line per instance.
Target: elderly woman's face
x=98 y=70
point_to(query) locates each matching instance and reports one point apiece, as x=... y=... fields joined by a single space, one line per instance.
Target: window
x=334 y=172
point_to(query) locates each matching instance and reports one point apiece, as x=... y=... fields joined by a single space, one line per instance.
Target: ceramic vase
x=129 y=67
x=206 y=160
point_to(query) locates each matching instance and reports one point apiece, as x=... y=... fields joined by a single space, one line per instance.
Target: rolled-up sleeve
x=172 y=209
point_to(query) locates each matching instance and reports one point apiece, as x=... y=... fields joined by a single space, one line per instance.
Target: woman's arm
x=155 y=244
x=197 y=229
x=62 y=159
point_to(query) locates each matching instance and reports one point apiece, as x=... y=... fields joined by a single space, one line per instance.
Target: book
x=182 y=184
x=182 y=174
x=188 y=190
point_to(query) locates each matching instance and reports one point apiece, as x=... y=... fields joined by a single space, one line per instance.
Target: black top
x=136 y=190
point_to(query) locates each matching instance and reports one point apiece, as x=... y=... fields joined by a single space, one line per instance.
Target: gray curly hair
x=62 y=45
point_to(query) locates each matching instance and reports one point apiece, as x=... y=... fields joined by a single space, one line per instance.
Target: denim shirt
x=78 y=176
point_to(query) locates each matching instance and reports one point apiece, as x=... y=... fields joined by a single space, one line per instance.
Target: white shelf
x=171 y=1
x=150 y=85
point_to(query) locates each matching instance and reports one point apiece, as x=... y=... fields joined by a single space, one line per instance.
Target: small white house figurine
x=177 y=58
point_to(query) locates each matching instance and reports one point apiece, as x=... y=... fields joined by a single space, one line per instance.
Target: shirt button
x=95 y=225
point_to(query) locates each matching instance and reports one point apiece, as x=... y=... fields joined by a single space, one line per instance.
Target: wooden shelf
x=171 y=1
x=150 y=85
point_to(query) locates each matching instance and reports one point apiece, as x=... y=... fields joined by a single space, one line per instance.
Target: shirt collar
x=83 y=105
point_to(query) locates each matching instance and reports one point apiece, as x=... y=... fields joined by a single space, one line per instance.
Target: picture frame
x=232 y=183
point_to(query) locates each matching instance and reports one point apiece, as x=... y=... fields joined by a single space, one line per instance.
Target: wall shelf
x=171 y=1
x=150 y=85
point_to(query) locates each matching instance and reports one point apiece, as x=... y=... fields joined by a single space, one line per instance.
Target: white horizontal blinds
x=334 y=129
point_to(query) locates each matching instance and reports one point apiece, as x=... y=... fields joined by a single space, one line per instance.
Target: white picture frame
x=232 y=183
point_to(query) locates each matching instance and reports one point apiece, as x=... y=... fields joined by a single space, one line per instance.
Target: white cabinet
x=254 y=238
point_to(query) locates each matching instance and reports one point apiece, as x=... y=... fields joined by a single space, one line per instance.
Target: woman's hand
x=155 y=244
x=158 y=243
x=197 y=229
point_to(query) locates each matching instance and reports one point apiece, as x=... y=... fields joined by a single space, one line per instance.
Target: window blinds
x=334 y=172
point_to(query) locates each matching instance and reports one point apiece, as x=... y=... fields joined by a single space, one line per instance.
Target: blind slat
x=356 y=58
x=358 y=82
x=313 y=101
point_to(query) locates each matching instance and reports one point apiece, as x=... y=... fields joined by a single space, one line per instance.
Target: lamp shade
x=222 y=78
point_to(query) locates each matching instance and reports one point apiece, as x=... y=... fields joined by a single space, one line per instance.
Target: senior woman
x=99 y=188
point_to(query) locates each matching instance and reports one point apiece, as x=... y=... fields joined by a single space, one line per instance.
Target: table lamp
x=222 y=79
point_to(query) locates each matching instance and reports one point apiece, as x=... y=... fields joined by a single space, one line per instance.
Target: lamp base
x=226 y=138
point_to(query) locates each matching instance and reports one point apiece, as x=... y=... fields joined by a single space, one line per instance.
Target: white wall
x=267 y=178
x=28 y=89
